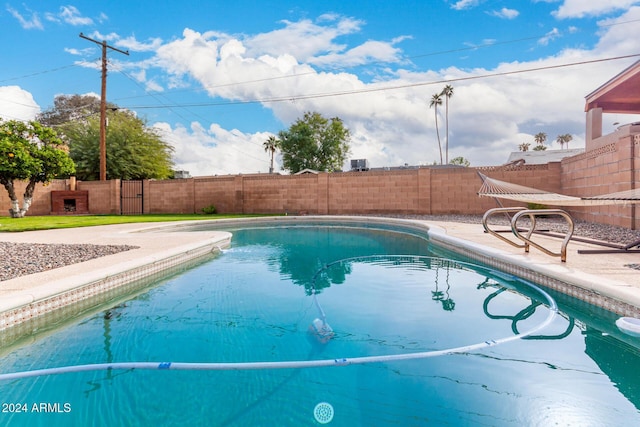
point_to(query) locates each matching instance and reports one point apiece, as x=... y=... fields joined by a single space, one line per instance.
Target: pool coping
x=100 y=276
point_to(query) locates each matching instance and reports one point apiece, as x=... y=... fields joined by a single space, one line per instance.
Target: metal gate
x=131 y=197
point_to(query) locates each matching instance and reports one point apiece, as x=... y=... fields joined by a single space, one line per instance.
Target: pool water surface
x=378 y=293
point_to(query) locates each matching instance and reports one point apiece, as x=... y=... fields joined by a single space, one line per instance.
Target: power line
x=498 y=43
x=408 y=58
x=288 y=98
x=190 y=112
x=149 y=94
x=38 y=73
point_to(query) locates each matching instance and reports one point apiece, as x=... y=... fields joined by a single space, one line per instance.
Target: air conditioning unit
x=359 y=165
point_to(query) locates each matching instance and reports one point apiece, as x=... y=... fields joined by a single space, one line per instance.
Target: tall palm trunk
x=271 y=165
x=446 y=108
x=447 y=92
x=438 y=133
x=436 y=100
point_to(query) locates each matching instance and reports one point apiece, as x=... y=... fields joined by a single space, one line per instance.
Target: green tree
x=270 y=146
x=68 y=108
x=314 y=142
x=436 y=100
x=33 y=153
x=134 y=151
x=460 y=161
x=447 y=92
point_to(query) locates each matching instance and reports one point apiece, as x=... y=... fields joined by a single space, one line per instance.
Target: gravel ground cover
x=589 y=230
x=20 y=259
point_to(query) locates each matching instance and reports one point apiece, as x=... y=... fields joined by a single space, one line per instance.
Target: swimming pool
x=258 y=301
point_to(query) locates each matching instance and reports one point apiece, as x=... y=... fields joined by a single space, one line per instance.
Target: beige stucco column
x=594 y=126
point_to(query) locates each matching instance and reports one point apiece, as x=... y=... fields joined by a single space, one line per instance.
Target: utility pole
x=103 y=104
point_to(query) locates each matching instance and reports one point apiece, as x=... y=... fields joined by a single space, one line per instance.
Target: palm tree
x=436 y=100
x=567 y=138
x=540 y=138
x=524 y=146
x=564 y=139
x=271 y=144
x=447 y=92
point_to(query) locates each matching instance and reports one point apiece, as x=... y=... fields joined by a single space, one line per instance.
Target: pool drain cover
x=323 y=412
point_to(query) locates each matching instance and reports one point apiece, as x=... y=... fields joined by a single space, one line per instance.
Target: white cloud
x=505 y=13
x=189 y=53
x=318 y=39
x=17 y=104
x=614 y=36
x=465 y=4
x=131 y=43
x=370 y=51
x=489 y=117
x=390 y=119
x=582 y=8
x=32 y=22
x=100 y=37
x=72 y=16
x=216 y=151
x=153 y=86
x=79 y=52
x=550 y=36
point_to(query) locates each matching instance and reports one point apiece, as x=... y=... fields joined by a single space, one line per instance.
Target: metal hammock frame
x=505 y=190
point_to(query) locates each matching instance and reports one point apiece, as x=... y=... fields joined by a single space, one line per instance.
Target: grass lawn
x=30 y=223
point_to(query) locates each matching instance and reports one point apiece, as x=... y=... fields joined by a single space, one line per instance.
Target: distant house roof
x=542 y=157
x=621 y=94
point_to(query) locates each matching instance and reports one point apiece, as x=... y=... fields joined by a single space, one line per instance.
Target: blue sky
x=218 y=78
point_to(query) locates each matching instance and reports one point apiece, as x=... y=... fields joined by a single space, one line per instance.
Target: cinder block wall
x=104 y=196
x=412 y=191
x=607 y=169
x=280 y=194
x=373 y=192
x=430 y=190
x=169 y=196
x=217 y=191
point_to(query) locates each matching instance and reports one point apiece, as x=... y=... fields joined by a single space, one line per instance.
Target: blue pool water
x=258 y=301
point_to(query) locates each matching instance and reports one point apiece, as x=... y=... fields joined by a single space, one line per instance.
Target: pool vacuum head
x=321 y=330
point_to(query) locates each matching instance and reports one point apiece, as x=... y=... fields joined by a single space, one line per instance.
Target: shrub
x=209 y=210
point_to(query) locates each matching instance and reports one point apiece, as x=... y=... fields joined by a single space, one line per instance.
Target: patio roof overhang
x=621 y=94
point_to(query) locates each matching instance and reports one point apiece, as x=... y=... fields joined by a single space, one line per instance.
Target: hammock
x=506 y=190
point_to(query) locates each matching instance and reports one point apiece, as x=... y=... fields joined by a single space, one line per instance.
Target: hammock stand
x=505 y=190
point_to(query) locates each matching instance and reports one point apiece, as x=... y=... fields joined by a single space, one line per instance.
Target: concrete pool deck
x=608 y=276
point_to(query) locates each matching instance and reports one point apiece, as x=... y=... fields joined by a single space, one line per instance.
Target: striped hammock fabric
x=506 y=190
